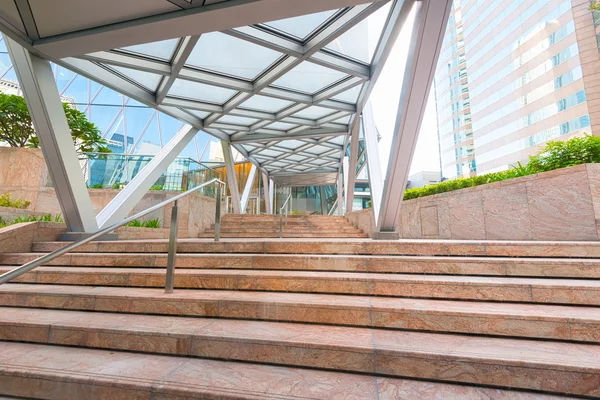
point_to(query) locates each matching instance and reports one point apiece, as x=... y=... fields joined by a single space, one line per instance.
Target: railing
x=285 y=205
x=172 y=236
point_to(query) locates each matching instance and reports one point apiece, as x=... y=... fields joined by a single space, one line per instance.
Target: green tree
x=595 y=5
x=16 y=127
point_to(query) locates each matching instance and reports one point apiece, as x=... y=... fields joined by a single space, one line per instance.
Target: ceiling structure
x=285 y=93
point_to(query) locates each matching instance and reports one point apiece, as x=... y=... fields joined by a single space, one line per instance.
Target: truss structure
x=282 y=81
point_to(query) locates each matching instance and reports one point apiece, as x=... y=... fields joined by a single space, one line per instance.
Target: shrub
x=6 y=200
x=556 y=154
x=116 y=186
x=31 y=218
x=97 y=186
x=151 y=223
x=157 y=187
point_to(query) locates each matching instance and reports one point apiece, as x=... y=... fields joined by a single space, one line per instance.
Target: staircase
x=297 y=226
x=304 y=318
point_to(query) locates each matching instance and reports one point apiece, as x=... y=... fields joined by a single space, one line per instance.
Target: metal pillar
x=351 y=176
x=267 y=190
x=122 y=204
x=340 y=197
x=272 y=196
x=231 y=178
x=170 y=279
x=426 y=40
x=45 y=107
x=248 y=188
x=373 y=163
x=323 y=200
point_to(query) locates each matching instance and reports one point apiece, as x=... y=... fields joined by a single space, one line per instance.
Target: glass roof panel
x=200 y=91
x=146 y=79
x=264 y=103
x=229 y=55
x=270 y=153
x=232 y=119
x=314 y=112
x=309 y=78
x=281 y=126
x=163 y=49
x=361 y=40
x=290 y=144
x=300 y=27
x=296 y=157
x=350 y=95
x=318 y=150
x=343 y=120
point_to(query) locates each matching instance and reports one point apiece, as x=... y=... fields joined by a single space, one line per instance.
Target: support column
x=340 y=196
x=351 y=176
x=122 y=204
x=267 y=191
x=248 y=189
x=426 y=40
x=45 y=107
x=373 y=162
x=272 y=195
x=346 y=169
x=231 y=178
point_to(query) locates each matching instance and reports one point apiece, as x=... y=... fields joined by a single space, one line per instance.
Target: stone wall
x=557 y=205
x=18 y=238
x=23 y=173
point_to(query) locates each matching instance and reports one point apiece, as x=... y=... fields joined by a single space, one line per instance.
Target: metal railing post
x=172 y=250
x=218 y=215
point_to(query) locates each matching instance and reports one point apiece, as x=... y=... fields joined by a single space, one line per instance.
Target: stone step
x=288 y=234
x=345 y=246
x=559 y=367
x=516 y=320
x=40 y=371
x=528 y=290
x=285 y=228
x=441 y=265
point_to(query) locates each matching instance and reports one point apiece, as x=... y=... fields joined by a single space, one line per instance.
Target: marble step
x=442 y=265
x=571 y=368
x=289 y=234
x=527 y=290
x=228 y=228
x=345 y=246
x=59 y=372
x=481 y=318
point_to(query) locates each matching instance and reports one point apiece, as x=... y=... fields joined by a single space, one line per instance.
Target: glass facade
x=452 y=94
x=524 y=84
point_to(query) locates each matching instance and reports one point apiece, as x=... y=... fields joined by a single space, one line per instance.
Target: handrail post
x=280 y=224
x=172 y=250
x=218 y=215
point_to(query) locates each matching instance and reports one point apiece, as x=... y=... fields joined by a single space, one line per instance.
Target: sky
x=385 y=98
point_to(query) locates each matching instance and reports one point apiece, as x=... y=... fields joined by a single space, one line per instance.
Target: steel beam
x=122 y=204
x=267 y=190
x=231 y=178
x=181 y=55
x=426 y=42
x=45 y=107
x=373 y=162
x=340 y=196
x=248 y=188
x=351 y=175
x=193 y=21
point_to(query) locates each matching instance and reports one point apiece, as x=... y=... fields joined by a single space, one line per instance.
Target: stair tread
x=359 y=276
x=503 y=351
x=309 y=300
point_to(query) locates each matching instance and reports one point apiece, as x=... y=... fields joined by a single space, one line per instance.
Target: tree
x=16 y=127
x=595 y=5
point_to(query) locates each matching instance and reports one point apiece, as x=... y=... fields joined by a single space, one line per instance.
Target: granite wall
x=23 y=173
x=557 y=205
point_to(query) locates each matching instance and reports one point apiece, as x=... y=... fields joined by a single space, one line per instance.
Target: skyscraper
x=511 y=76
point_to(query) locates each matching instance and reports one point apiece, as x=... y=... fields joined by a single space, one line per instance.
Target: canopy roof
x=284 y=92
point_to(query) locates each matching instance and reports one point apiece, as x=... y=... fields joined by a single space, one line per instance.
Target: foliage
x=595 y=5
x=6 y=200
x=97 y=186
x=16 y=127
x=116 y=186
x=151 y=223
x=556 y=154
x=157 y=187
x=31 y=218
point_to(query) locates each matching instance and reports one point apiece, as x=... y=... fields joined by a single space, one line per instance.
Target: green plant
x=31 y=218
x=16 y=127
x=556 y=154
x=97 y=186
x=151 y=223
x=157 y=187
x=595 y=5
x=116 y=186
x=6 y=200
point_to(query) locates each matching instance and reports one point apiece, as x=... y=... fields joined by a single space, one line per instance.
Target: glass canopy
x=284 y=93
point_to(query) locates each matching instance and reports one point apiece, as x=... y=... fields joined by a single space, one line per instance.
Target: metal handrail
x=172 y=236
x=289 y=198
